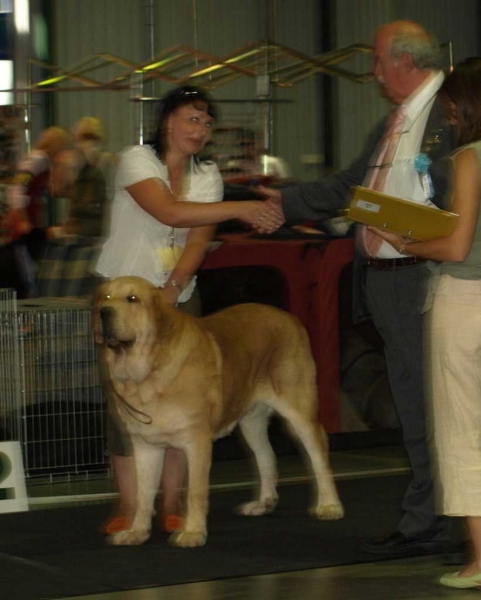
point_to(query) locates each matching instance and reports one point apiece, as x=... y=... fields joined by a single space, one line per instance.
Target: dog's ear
x=97 y=296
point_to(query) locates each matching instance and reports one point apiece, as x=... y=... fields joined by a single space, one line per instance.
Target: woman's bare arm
x=456 y=246
x=155 y=198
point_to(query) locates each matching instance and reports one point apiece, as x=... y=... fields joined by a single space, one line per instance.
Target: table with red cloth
x=311 y=269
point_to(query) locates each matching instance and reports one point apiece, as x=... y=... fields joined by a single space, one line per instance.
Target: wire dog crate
x=51 y=396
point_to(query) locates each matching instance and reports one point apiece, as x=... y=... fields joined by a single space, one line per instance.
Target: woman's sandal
x=454 y=580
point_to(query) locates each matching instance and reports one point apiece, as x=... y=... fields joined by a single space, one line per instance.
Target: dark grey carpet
x=58 y=552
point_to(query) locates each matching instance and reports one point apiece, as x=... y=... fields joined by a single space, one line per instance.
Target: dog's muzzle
x=107 y=325
x=108 y=329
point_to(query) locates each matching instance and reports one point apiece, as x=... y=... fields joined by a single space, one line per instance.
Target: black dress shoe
x=397 y=544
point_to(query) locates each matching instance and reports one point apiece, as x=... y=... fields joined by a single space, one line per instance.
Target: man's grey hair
x=420 y=44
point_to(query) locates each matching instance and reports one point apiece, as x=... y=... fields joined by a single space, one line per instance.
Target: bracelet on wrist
x=402 y=248
x=174 y=283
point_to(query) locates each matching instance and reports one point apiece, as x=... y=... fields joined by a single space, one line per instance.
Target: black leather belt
x=393 y=263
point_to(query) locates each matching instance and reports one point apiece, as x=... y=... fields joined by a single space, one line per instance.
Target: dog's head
x=135 y=325
x=126 y=312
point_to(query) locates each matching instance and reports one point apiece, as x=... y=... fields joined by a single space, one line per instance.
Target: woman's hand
x=171 y=293
x=263 y=216
x=397 y=241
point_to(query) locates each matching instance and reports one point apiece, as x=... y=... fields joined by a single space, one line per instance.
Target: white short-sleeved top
x=135 y=241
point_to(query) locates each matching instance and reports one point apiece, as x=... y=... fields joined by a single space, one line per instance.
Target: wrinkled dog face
x=123 y=312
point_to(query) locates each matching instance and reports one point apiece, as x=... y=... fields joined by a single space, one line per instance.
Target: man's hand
x=272 y=218
x=270 y=193
x=273 y=203
x=263 y=216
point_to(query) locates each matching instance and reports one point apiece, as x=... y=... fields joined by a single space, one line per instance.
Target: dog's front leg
x=148 y=467
x=199 y=457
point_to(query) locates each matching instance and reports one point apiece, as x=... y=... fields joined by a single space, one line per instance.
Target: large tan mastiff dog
x=182 y=382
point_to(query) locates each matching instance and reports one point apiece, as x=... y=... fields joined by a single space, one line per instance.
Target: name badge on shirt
x=422 y=163
x=169 y=257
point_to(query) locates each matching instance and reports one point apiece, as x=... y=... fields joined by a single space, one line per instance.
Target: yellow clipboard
x=399 y=216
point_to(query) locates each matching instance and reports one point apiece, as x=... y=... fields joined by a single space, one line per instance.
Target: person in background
x=165 y=204
x=388 y=285
x=24 y=223
x=90 y=138
x=454 y=326
x=32 y=182
x=80 y=174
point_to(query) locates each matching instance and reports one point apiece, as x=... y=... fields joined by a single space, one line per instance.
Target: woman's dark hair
x=462 y=87
x=174 y=99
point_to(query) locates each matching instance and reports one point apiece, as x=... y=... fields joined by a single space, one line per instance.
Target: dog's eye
x=132 y=299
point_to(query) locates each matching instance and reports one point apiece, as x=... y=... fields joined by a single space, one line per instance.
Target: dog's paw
x=187 y=539
x=327 y=512
x=256 y=508
x=128 y=538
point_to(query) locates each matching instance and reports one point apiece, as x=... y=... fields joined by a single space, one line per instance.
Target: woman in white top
x=164 y=209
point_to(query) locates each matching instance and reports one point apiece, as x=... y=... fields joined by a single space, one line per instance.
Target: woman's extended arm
x=190 y=261
x=155 y=198
x=456 y=246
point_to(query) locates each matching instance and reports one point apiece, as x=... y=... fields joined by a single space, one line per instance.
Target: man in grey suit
x=393 y=285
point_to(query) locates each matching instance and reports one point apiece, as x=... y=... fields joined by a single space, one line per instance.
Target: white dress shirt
x=403 y=181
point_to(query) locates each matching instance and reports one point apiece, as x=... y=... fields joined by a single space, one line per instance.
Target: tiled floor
x=407 y=579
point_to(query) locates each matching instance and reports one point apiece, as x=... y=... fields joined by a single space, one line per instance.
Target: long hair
x=462 y=88
x=176 y=98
